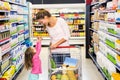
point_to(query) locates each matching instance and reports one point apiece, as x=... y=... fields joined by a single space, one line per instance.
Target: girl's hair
x=42 y=13
x=28 y=57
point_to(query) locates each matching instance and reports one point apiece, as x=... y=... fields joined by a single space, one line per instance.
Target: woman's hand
x=53 y=46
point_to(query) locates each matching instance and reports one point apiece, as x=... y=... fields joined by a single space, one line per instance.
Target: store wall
x=55 y=1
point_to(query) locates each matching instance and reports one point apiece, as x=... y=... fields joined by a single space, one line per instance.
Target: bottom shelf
x=15 y=75
x=97 y=65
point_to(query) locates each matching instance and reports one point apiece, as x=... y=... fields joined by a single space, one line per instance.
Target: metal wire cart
x=66 y=68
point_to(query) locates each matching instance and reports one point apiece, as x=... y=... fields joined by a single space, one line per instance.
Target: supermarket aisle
x=89 y=70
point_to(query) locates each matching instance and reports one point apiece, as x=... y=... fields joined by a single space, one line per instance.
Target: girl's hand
x=39 y=38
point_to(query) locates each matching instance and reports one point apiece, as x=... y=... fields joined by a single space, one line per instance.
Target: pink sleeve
x=38 y=48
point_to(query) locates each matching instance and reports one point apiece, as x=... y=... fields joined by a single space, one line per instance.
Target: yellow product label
x=7 y=6
x=117 y=45
x=82 y=21
x=116 y=76
x=118 y=41
x=82 y=33
x=118 y=11
x=118 y=57
x=53 y=77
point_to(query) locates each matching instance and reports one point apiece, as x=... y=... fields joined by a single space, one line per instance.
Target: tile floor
x=89 y=71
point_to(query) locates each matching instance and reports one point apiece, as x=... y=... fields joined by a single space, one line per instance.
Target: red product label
x=118 y=26
x=3 y=79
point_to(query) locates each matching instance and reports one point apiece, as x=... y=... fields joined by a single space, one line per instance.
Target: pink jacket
x=36 y=68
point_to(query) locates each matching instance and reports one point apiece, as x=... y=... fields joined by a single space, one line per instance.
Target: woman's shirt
x=58 y=31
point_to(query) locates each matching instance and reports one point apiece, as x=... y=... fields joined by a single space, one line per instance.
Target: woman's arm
x=53 y=46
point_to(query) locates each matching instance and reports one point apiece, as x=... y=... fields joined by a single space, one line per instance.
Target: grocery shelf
x=15 y=34
x=95 y=21
x=22 y=14
x=78 y=38
x=110 y=47
x=90 y=20
x=17 y=56
x=4 y=41
x=4 y=30
x=20 y=67
x=18 y=22
x=117 y=22
x=108 y=11
x=47 y=38
x=6 y=59
x=21 y=32
x=92 y=12
x=95 y=3
x=72 y=12
x=37 y=25
x=107 y=22
x=110 y=61
x=97 y=65
x=117 y=36
x=14 y=22
x=2 y=19
x=74 y=18
x=93 y=30
x=13 y=10
x=22 y=22
x=18 y=44
x=4 y=11
x=98 y=3
x=6 y=51
x=6 y=69
x=15 y=3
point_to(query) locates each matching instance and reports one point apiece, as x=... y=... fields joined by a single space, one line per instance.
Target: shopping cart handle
x=66 y=46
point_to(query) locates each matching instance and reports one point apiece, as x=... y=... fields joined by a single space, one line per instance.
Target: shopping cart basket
x=69 y=69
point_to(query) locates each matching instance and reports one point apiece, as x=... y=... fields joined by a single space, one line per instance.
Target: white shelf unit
x=102 y=39
x=16 y=25
x=79 y=8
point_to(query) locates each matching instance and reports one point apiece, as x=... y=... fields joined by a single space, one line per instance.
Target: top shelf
x=20 y=4
x=5 y=11
x=99 y=3
x=72 y=12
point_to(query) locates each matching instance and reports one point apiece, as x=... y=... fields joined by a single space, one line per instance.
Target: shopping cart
x=70 y=68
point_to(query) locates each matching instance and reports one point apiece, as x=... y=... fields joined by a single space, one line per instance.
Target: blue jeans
x=59 y=58
x=33 y=76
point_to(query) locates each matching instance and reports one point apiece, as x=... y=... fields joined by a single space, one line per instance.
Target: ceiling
x=55 y=1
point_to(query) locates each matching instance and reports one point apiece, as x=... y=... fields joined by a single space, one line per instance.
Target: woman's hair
x=42 y=13
x=28 y=57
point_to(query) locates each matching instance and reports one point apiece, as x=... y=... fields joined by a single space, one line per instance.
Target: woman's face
x=44 y=21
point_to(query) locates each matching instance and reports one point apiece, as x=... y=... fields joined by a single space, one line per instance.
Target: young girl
x=32 y=61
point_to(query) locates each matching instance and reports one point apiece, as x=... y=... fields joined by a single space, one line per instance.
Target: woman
x=59 y=34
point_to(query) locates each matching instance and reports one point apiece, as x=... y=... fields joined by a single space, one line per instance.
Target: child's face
x=34 y=50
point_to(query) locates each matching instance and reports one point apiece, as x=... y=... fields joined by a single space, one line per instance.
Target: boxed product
x=96 y=25
x=95 y=37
